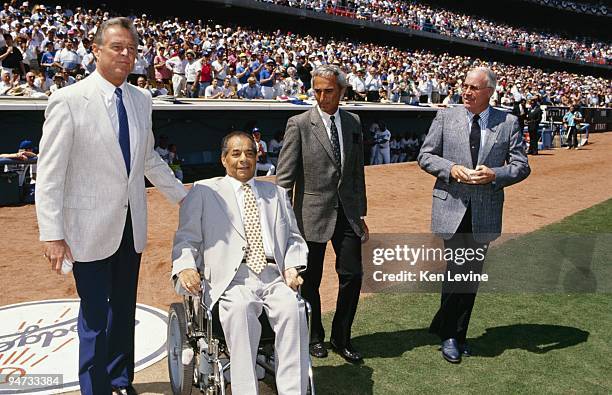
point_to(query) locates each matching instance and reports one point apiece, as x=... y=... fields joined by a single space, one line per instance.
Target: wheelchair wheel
x=181 y=376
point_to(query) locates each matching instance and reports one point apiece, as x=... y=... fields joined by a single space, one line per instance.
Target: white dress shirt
x=325 y=117
x=108 y=98
x=266 y=228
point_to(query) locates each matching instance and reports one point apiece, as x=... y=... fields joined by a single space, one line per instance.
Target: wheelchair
x=198 y=357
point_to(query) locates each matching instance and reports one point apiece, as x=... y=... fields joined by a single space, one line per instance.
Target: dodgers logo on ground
x=39 y=345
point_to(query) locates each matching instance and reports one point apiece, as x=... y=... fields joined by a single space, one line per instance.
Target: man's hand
x=190 y=280
x=366 y=232
x=55 y=251
x=482 y=175
x=293 y=279
x=461 y=173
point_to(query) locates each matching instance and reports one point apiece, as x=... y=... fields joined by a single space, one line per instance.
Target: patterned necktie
x=124 y=129
x=475 y=140
x=335 y=142
x=255 y=255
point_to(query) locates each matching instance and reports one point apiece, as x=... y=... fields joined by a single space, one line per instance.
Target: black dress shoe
x=450 y=351
x=347 y=352
x=318 y=350
x=129 y=390
x=465 y=350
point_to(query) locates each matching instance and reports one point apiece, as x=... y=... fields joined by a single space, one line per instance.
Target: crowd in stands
x=419 y=16
x=52 y=47
x=593 y=7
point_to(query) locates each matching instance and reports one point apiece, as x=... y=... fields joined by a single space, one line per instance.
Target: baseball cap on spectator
x=26 y=144
x=255 y=130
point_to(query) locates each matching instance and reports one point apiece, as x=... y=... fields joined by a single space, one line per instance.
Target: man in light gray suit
x=243 y=237
x=322 y=163
x=96 y=149
x=474 y=151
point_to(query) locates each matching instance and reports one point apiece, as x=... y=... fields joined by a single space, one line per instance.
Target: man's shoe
x=318 y=350
x=129 y=390
x=450 y=351
x=347 y=352
x=465 y=350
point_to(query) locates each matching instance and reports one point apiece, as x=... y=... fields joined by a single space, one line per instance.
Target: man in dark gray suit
x=321 y=162
x=474 y=151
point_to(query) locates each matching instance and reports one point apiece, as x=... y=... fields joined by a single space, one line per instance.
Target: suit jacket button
x=243 y=248
x=125 y=206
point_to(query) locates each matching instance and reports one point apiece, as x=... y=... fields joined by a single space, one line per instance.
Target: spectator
x=162 y=72
x=251 y=90
x=47 y=61
x=68 y=59
x=191 y=74
x=141 y=66
x=267 y=79
x=6 y=82
x=58 y=83
x=11 y=57
x=204 y=76
x=214 y=91
x=227 y=90
x=177 y=64
x=160 y=89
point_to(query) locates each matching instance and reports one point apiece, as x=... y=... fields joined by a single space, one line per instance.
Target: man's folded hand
x=292 y=279
x=190 y=280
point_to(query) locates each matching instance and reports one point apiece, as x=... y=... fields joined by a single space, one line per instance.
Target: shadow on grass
x=344 y=379
x=535 y=338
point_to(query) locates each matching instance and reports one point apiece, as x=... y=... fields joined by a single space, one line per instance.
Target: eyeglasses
x=466 y=87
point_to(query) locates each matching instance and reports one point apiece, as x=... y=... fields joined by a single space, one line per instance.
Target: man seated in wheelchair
x=251 y=248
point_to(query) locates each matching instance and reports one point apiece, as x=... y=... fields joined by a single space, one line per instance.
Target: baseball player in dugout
x=321 y=165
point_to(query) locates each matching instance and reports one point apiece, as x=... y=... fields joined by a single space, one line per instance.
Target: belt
x=269 y=260
x=179 y=73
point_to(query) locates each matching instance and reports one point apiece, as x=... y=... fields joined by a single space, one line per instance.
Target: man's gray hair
x=236 y=133
x=489 y=75
x=123 y=22
x=328 y=71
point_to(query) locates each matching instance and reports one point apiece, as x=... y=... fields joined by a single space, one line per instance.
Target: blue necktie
x=124 y=129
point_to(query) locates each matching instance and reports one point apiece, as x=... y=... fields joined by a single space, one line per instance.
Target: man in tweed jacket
x=474 y=151
x=322 y=163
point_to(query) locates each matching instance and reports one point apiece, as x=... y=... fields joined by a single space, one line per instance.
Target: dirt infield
x=399 y=201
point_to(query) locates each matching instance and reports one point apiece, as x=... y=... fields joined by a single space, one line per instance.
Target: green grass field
x=524 y=340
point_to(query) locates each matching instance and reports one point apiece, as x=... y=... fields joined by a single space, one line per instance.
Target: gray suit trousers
x=239 y=309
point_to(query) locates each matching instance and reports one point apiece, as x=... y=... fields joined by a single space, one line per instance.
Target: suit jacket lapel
x=139 y=131
x=318 y=129
x=460 y=125
x=95 y=104
x=347 y=139
x=490 y=135
x=229 y=204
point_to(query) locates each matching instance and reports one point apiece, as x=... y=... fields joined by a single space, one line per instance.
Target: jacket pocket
x=440 y=193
